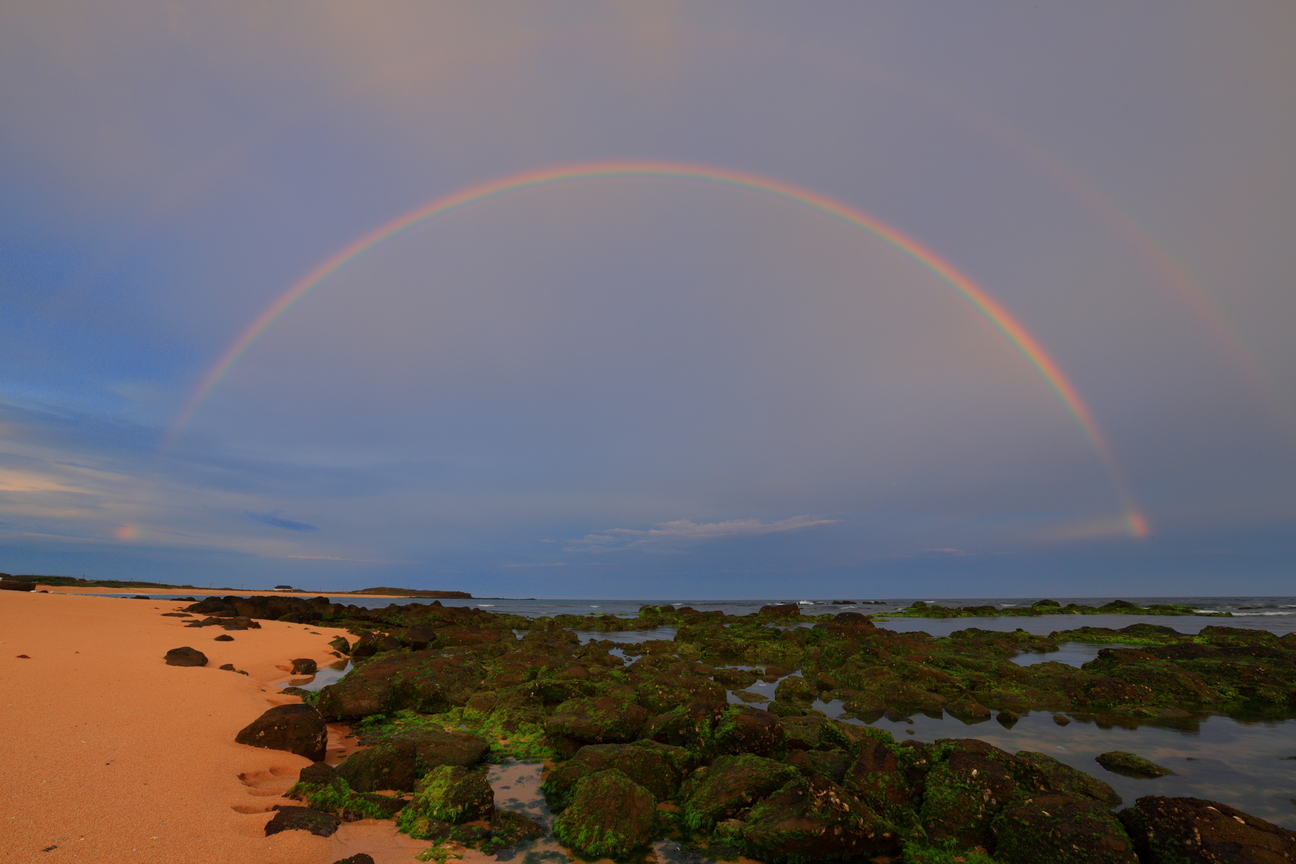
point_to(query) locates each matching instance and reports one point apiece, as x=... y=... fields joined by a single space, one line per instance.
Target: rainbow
x=1135 y=522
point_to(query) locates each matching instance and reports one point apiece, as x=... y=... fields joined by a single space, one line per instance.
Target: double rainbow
x=1025 y=343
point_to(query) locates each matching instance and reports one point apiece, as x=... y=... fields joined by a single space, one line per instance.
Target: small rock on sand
x=358 y=858
x=302 y=666
x=186 y=657
x=303 y=819
x=224 y=637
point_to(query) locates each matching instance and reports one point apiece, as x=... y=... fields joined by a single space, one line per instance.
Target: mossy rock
x=963 y=793
x=597 y=721
x=878 y=778
x=1130 y=765
x=1195 y=831
x=610 y=816
x=321 y=788
x=1051 y=775
x=654 y=769
x=732 y=783
x=451 y=794
x=386 y=765
x=814 y=819
x=1060 y=829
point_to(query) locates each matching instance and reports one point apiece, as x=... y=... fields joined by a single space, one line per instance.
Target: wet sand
x=108 y=754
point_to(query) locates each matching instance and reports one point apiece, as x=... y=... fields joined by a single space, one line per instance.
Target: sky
x=669 y=300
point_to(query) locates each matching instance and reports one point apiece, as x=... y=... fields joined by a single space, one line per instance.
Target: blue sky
x=642 y=388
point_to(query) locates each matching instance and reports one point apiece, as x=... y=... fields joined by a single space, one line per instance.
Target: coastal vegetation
x=642 y=741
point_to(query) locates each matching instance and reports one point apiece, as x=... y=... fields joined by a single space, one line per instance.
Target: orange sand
x=110 y=755
x=220 y=592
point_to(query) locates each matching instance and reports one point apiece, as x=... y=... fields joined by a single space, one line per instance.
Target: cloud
x=277 y=521
x=685 y=532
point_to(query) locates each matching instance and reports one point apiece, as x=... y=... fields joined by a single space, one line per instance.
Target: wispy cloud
x=275 y=520
x=685 y=532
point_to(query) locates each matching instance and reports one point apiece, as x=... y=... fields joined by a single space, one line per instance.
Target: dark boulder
x=598 y=720
x=302 y=819
x=417 y=637
x=340 y=645
x=426 y=681
x=435 y=747
x=1046 y=774
x=304 y=666
x=224 y=637
x=1130 y=765
x=358 y=858
x=878 y=779
x=963 y=794
x=1060 y=829
x=186 y=657
x=729 y=785
x=609 y=816
x=654 y=768
x=386 y=765
x=1194 y=831
x=296 y=728
x=743 y=729
x=789 y=610
x=447 y=794
x=814 y=819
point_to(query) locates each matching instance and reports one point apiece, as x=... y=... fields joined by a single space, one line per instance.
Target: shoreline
x=109 y=754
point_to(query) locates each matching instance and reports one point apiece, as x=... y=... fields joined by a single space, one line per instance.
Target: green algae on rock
x=609 y=816
x=1130 y=765
x=450 y=794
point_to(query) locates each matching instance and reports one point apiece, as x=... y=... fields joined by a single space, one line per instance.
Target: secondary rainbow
x=1026 y=344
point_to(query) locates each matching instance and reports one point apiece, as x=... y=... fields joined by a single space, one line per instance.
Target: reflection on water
x=1070 y=653
x=1245 y=765
x=324 y=677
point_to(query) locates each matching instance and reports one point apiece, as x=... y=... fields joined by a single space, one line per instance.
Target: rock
x=450 y=794
x=597 y=721
x=1121 y=762
x=436 y=747
x=417 y=637
x=358 y=858
x=968 y=711
x=654 y=768
x=296 y=728
x=302 y=819
x=1007 y=719
x=814 y=819
x=1047 y=774
x=962 y=795
x=186 y=657
x=796 y=689
x=735 y=679
x=789 y=610
x=731 y=784
x=1061 y=719
x=609 y=816
x=224 y=637
x=386 y=765
x=342 y=646
x=1060 y=829
x=1194 y=831
x=430 y=682
x=876 y=778
x=743 y=729
x=304 y=666
x=509 y=828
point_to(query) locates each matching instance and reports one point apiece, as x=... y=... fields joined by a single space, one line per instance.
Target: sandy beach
x=108 y=754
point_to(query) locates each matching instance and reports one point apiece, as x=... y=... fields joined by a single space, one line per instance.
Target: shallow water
x=1245 y=765
x=1070 y=653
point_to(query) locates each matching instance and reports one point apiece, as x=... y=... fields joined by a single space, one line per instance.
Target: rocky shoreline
x=642 y=743
x=921 y=609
